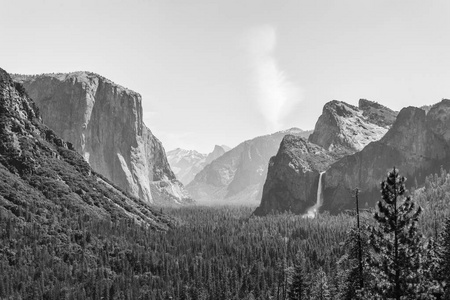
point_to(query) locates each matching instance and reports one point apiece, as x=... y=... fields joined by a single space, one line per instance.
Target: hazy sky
x=220 y=72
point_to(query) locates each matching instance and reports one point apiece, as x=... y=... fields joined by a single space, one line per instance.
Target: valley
x=224 y=150
x=279 y=207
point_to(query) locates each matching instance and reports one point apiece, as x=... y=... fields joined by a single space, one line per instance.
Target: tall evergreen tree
x=298 y=285
x=396 y=260
x=432 y=263
x=445 y=258
x=352 y=265
x=320 y=290
x=354 y=273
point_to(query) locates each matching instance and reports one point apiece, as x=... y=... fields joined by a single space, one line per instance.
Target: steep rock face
x=237 y=176
x=439 y=119
x=341 y=130
x=42 y=175
x=417 y=144
x=345 y=129
x=292 y=178
x=187 y=163
x=104 y=122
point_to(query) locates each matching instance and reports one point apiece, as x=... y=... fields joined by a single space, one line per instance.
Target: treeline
x=214 y=253
x=225 y=253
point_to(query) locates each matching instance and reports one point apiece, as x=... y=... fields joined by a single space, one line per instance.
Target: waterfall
x=314 y=210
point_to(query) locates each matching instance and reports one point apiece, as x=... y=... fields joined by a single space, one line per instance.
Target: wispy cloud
x=274 y=92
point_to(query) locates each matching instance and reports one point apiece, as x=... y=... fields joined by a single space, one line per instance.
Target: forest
x=401 y=250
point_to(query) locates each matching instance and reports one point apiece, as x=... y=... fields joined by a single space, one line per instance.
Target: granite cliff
x=43 y=179
x=418 y=144
x=237 y=177
x=345 y=129
x=293 y=175
x=341 y=130
x=104 y=123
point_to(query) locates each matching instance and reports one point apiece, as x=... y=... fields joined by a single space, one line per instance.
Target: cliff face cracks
x=341 y=131
x=105 y=124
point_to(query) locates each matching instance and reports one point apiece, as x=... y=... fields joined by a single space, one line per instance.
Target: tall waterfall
x=314 y=210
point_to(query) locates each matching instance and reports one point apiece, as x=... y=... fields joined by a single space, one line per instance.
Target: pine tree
x=396 y=260
x=445 y=258
x=319 y=290
x=298 y=285
x=432 y=263
x=353 y=268
x=354 y=273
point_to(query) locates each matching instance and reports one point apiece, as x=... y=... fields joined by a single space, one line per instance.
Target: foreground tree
x=320 y=289
x=445 y=259
x=298 y=285
x=396 y=261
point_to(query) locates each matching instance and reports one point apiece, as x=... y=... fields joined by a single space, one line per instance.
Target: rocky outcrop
x=417 y=145
x=292 y=178
x=377 y=113
x=104 y=122
x=187 y=163
x=41 y=175
x=237 y=177
x=341 y=130
x=345 y=129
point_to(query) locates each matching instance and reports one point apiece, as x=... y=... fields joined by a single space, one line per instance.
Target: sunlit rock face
x=417 y=145
x=42 y=171
x=344 y=128
x=104 y=122
x=341 y=130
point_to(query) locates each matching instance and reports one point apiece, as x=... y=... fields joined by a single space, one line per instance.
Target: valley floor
x=212 y=253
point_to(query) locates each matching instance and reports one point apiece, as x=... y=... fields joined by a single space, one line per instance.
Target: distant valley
x=277 y=172
x=237 y=176
x=187 y=163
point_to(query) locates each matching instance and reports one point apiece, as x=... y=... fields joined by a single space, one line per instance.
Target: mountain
x=341 y=130
x=187 y=163
x=43 y=178
x=292 y=177
x=225 y=147
x=216 y=153
x=345 y=129
x=104 y=122
x=418 y=144
x=237 y=176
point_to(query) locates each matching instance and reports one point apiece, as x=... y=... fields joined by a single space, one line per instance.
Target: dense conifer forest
x=226 y=253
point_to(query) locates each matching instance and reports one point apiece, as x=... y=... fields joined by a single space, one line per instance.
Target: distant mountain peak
x=237 y=176
x=225 y=147
x=292 y=130
x=187 y=163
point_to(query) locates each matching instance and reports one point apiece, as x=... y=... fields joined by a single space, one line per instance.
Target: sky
x=221 y=72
